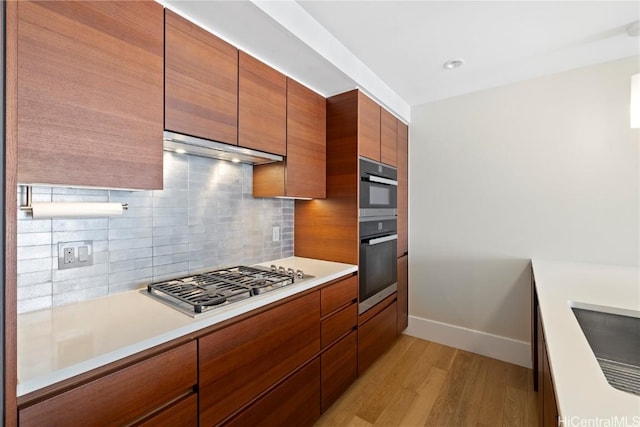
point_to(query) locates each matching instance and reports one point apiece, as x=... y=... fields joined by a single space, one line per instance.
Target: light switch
x=83 y=253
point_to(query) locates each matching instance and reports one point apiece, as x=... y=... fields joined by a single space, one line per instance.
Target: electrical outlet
x=276 y=233
x=69 y=256
x=75 y=254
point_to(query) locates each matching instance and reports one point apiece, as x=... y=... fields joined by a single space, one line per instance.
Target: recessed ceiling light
x=235 y=160
x=453 y=64
x=180 y=151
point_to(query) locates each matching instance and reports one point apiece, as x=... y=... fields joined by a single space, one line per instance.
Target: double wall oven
x=378 y=232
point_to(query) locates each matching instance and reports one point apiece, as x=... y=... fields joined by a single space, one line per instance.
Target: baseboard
x=495 y=346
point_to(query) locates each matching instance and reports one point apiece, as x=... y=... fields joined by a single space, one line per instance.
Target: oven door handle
x=381 y=180
x=383 y=239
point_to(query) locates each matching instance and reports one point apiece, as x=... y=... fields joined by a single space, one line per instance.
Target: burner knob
x=299 y=274
x=281 y=270
x=290 y=272
x=273 y=267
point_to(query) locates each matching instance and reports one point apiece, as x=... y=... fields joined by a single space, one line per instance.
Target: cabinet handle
x=383 y=239
x=381 y=180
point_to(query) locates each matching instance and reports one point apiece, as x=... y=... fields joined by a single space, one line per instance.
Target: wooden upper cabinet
x=403 y=189
x=262 y=106
x=377 y=132
x=90 y=93
x=304 y=172
x=201 y=82
x=306 y=142
x=388 y=138
x=368 y=127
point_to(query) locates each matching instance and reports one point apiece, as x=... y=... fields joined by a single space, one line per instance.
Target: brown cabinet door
x=540 y=351
x=241 y=361
x=339 y=369
x=338 y=324
x=262 y=106
x=90 y=93
x=328 y=229
x=295 y=402
x=368 y=127
x=534 y=334
x=388 y=138
x=550 y=413
x=306 y=142
x=201 y=82
x=183 y=413
x=121 y=397
x=547 y=407
x=376 y=336
x=403 y=188
x=403 y=293
x=304 y=172
x=338 y=295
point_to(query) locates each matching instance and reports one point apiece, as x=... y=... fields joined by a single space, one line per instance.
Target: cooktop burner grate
x=195 y=294
x=250 y=276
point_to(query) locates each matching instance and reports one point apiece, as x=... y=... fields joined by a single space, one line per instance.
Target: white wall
x=546 y=168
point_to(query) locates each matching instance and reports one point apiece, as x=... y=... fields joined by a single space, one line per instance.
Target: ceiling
x=395 y=50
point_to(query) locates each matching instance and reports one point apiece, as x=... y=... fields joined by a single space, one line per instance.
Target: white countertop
x=582 y=391
x=58 y=343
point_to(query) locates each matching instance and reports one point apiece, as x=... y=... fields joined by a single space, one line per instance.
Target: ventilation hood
x=180 y=143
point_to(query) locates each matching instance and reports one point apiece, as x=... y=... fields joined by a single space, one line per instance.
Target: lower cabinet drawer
x=295 y=402
x=183 y=413
x=339 y=294
x=339 y=369
x=376 y=336
x=338 y=324
x=121 y=397
x=240 y=362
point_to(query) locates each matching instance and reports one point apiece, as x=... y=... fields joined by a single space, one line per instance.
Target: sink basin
x=614 y=338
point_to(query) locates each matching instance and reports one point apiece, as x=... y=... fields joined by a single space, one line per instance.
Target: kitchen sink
x=614 y=338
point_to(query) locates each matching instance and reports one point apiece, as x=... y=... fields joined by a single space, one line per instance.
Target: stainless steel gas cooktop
x=201 y=293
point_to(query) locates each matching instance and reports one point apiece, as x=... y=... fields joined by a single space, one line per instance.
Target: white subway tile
x=34 y=304
x=78 y=284
x=34 y=239
x=34 y=226
x=33 y=252
x=34 y=265
x=128 y=254
x=131 y=275
x=27 y=279
x=80 y=295
x=120 y=244
x=34 y=291
x=74 y=236
x=131 y=264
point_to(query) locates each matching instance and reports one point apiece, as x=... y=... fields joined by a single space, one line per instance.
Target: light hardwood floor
x=419 y=383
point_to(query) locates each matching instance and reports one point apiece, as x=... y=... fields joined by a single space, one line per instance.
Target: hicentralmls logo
x=577 y=421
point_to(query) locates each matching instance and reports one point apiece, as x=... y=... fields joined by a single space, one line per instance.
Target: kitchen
x=453 y=259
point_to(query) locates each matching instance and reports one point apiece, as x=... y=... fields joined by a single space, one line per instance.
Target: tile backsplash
x=204 y=218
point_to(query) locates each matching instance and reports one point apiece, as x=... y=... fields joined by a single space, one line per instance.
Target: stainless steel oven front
x=378 y=264
x=378 y=189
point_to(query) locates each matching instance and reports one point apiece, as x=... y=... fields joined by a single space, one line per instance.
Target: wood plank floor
x=419 y=383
